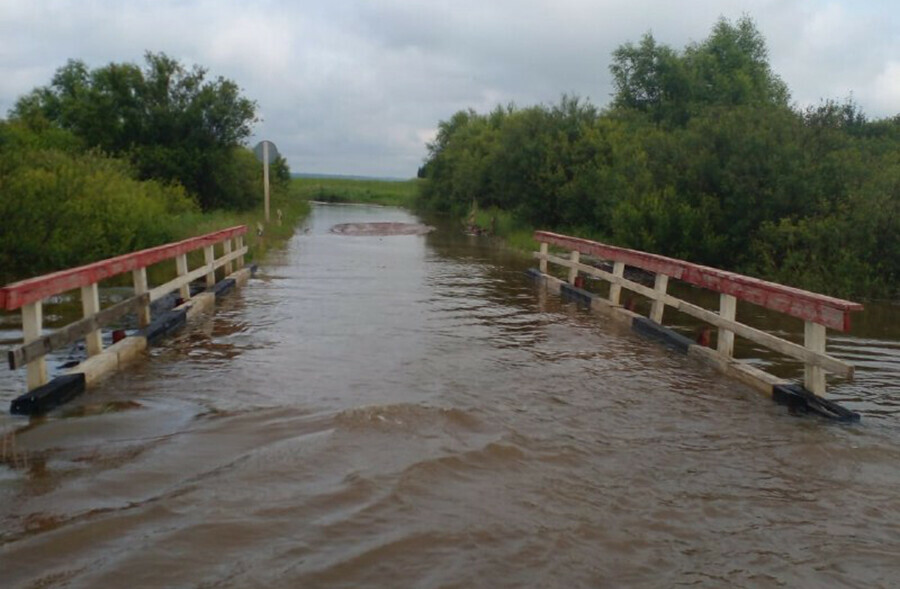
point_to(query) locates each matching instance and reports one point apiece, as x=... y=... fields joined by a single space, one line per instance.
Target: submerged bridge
x=608 y=266
x=817 y=312
x=413 y=410
x=222 y=252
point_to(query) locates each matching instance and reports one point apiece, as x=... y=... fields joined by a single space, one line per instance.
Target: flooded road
x=410 y=411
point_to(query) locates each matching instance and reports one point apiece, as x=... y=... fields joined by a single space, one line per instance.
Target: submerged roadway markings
x=381 y=229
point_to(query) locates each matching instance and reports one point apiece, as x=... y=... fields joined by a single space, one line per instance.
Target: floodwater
x=410 y=411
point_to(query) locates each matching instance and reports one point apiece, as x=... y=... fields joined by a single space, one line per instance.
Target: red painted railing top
x=19 y=294
x=809 y=306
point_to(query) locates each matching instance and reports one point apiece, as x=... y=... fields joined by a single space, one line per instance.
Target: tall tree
x=652 y=79
x=729 y=68
x=172 y=122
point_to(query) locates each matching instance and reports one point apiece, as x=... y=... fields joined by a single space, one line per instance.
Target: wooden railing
x=28 y=295
x=817 y=311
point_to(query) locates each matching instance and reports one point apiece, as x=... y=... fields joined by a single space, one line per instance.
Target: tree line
x=113 y=159
x=700 y=156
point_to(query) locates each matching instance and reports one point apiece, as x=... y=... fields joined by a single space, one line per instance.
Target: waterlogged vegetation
x=700 y=155
x=111 y=160
x=400 y=193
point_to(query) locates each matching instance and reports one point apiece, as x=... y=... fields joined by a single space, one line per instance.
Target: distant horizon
x=350 y=176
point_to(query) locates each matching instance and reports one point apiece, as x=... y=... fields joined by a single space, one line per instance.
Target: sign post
x=263 y=150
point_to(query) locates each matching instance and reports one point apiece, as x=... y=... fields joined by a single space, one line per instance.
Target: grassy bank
x=293 y=210
x=194 y=223
x=517 y=234
x=398 y=193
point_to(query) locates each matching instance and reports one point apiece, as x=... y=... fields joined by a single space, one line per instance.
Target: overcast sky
x=355 y=87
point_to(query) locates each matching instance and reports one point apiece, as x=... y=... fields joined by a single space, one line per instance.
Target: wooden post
x=658 y=306
x=545 y=249
x=266 y=176
x=575 y=256
x=239 y=240
x=209 y=258
x=139 y=277
x=727 y=310
x=32 y=319
x=615 y=290
x=90 y=305
x=181 y=266
x=814 y=339
x=226 y=245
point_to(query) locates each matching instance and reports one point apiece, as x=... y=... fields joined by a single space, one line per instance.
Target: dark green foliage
x=173 y=123
x=730 y=68
x=700 y=157
x=61 y=207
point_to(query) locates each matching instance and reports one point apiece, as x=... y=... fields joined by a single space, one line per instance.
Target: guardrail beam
x=818 y=311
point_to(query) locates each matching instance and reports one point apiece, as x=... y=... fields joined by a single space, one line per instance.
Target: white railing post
x=727 y=310
x=139 y=277
x=226 y=245
x=239 y=241
x=90 y=305
x=209 y=258
x=658 y=306
x=181 y=266
x=545 y=249
x=814 y=339
x=615 y=290
x=575 y=256
x=32 y=320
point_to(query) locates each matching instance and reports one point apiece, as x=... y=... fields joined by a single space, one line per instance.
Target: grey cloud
x=358 y=87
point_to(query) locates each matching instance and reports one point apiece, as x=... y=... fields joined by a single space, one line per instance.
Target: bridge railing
x=29 y=295
x=817 y=311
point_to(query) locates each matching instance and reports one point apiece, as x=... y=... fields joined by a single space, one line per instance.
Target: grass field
x=293 y=210
x=403 y=193
x=400 y=193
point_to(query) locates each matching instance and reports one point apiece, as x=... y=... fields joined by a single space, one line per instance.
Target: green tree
x=729 y=68
x=651 y=79
x=173 y=123
x=700 y=157
x=61 y=206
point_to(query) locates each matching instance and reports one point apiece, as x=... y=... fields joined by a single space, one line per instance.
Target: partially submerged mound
x=377 y=229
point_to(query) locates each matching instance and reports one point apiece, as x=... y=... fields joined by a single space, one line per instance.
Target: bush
x=60 y=209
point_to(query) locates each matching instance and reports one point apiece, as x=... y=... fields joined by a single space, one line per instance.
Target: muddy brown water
x=410 y=411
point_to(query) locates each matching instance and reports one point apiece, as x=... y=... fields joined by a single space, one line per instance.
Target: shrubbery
x=61 y=208
x=171 y=122
x=699 y=156
x=107 y=161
